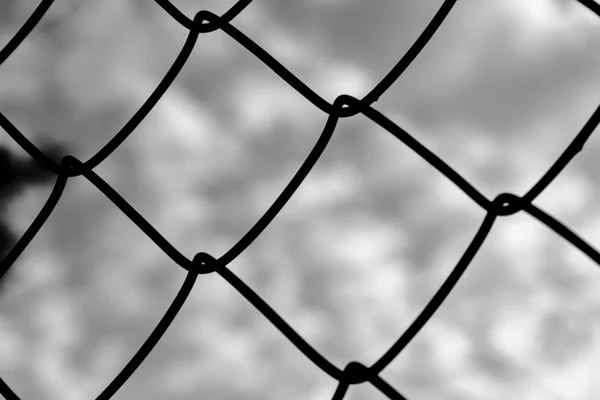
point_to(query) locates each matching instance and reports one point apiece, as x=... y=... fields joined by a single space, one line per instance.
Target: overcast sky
x=498 y=93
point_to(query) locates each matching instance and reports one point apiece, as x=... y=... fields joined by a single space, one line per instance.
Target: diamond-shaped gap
x=521 y=313
x=196 y=158
x=251 y=88
x=317 y=281
x=89 y=289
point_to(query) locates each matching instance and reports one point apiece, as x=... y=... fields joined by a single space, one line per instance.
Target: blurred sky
x=498 y=93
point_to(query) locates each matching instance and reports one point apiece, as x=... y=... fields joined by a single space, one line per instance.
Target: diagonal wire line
x=25 y=30
x=344 y=106
x=563 y=231
x=133 y=215
x=591 y=5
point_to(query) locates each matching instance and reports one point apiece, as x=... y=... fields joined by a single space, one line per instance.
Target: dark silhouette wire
x=344 y=106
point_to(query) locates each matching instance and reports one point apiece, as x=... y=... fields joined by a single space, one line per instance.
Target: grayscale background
x=498 y=93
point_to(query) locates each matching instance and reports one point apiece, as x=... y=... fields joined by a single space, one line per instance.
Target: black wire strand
x=344 y=106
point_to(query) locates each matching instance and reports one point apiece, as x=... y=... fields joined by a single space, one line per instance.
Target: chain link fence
x=344 y=106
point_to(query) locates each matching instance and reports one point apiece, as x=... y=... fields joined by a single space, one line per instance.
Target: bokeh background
x=498 y=93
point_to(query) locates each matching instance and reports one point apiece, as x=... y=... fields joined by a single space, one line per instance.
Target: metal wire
x=344 y=106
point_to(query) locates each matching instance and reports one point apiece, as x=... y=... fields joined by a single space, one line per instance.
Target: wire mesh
x=344 y=106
